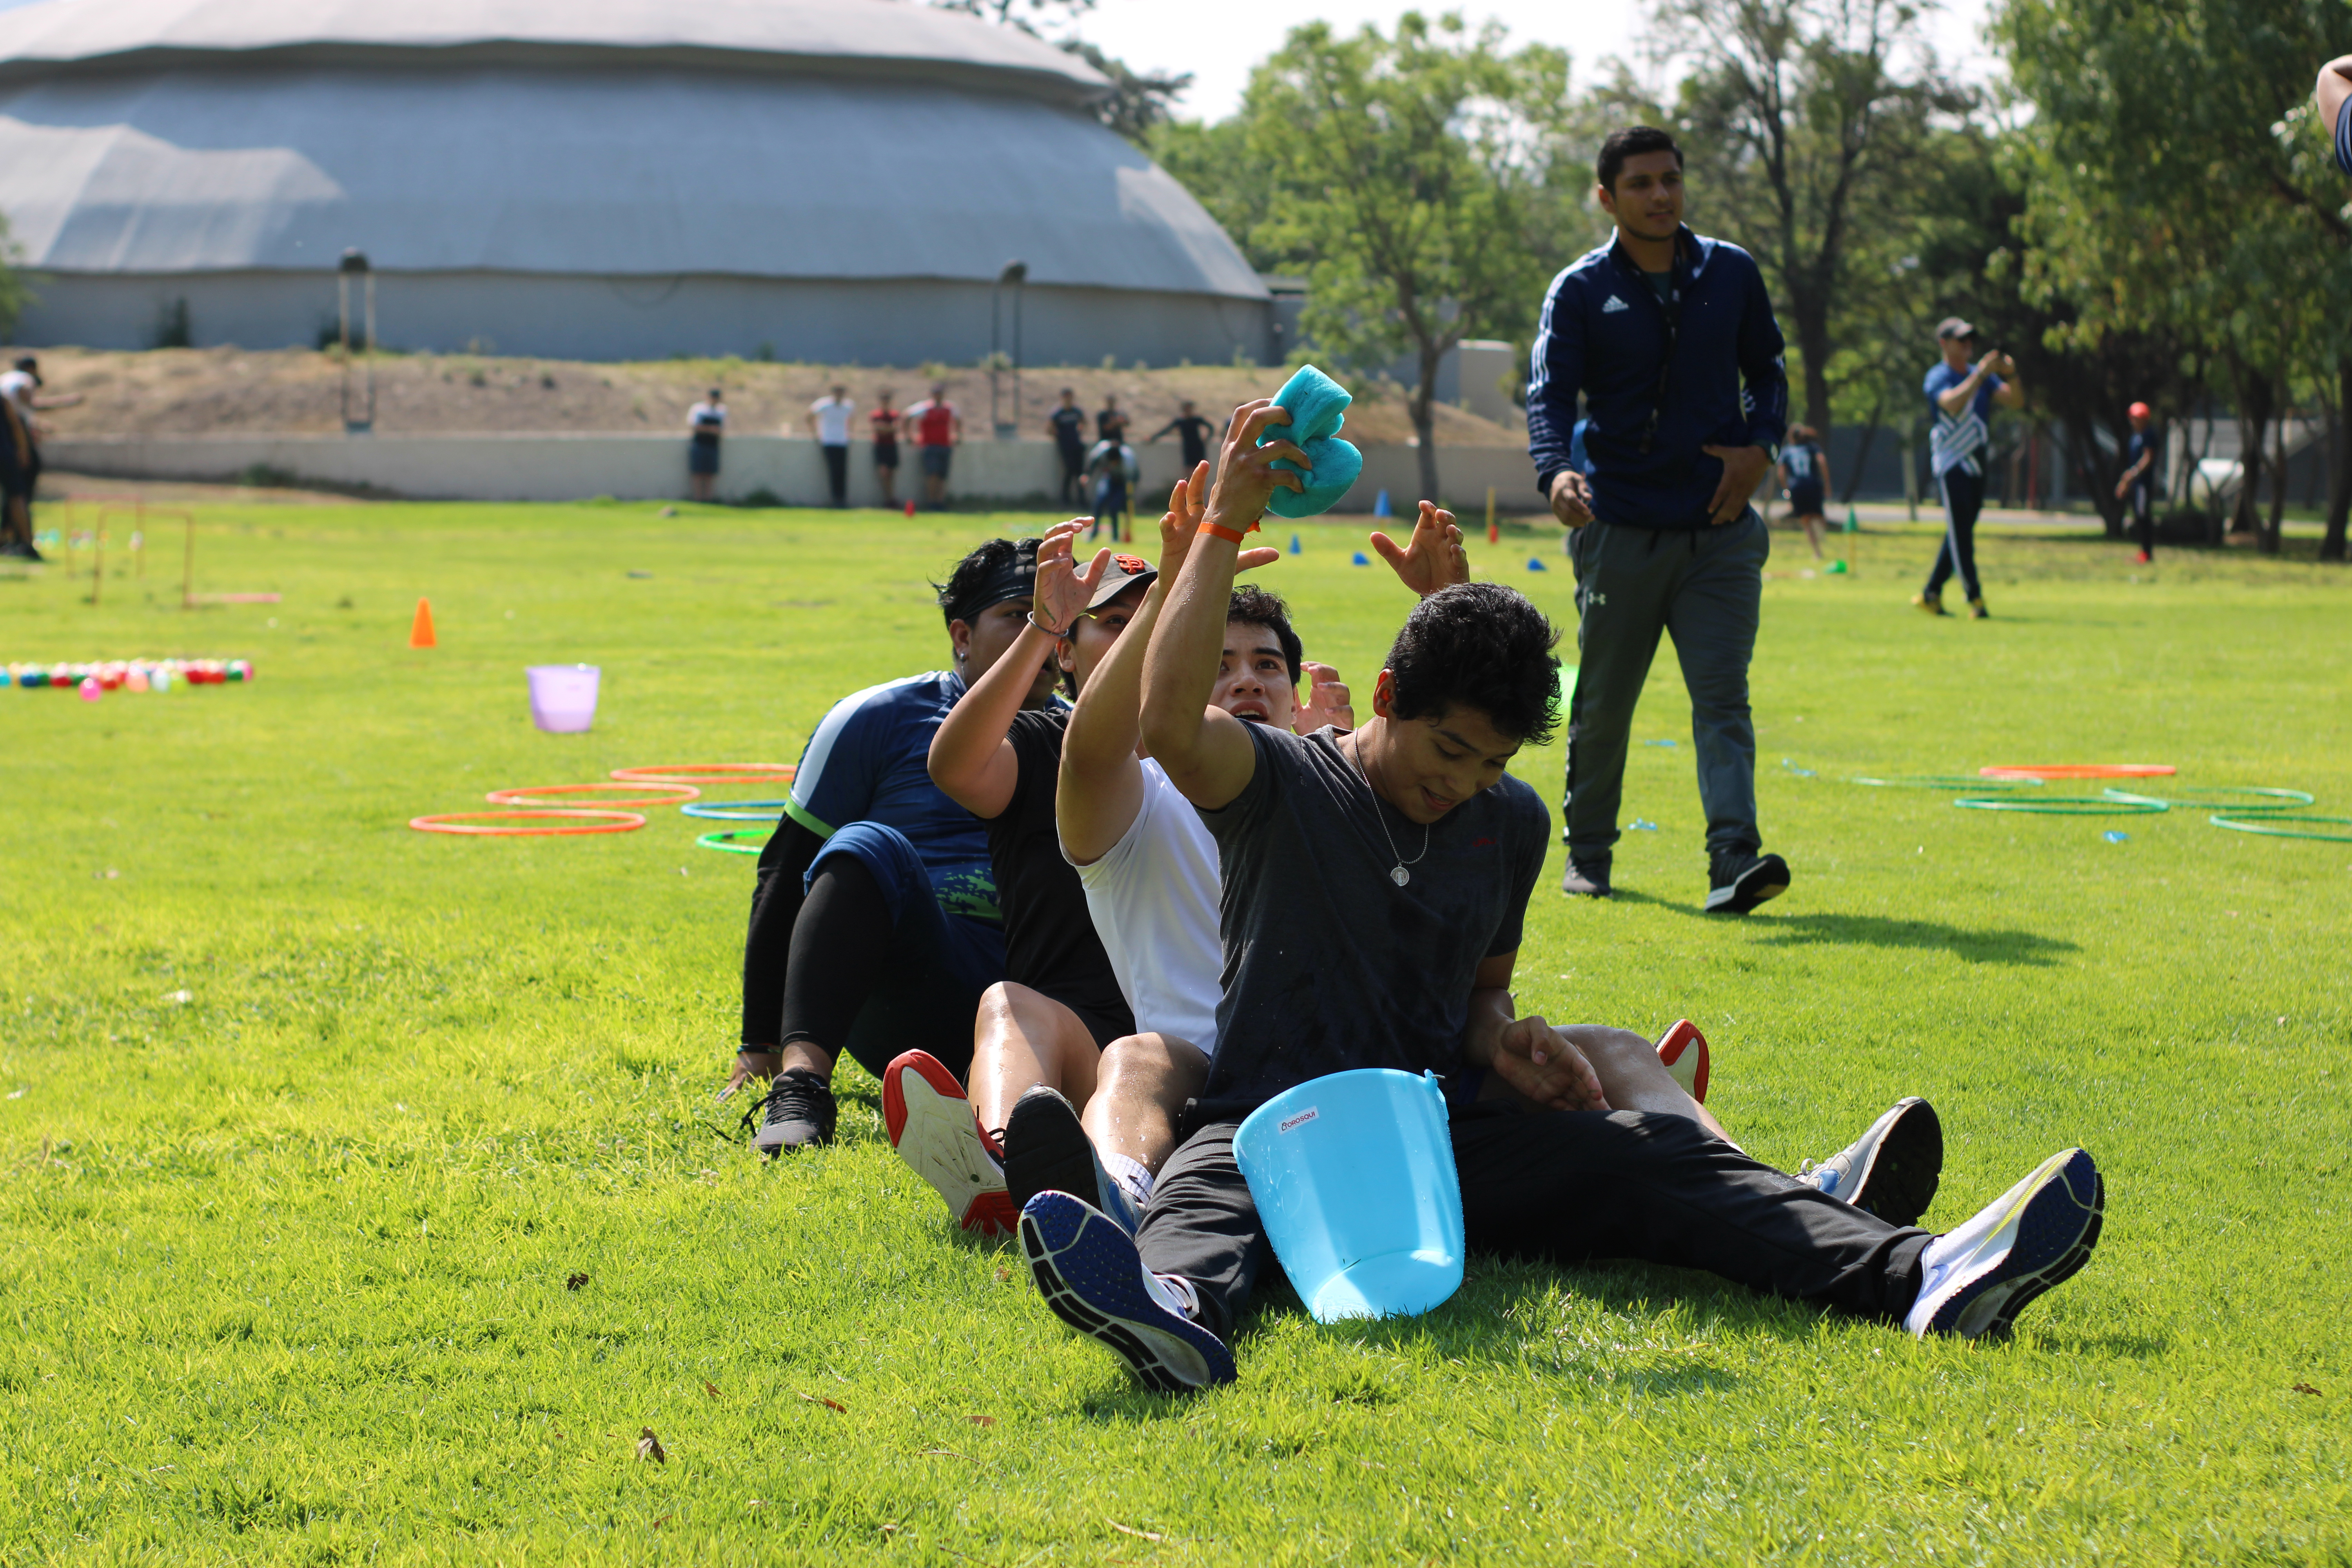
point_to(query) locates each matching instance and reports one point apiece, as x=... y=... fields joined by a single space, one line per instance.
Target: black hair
x=990 y=559
x=1629 y=143
x=715 y=392
x=1257 y=607
x=1481 y=645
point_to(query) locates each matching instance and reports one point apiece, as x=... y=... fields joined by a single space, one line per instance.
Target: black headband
x=1015 y=579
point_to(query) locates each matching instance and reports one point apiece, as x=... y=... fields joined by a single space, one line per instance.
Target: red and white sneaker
x=1682 y=1049
x=936 y=1132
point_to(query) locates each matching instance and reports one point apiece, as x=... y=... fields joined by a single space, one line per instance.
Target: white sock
x=1131 y=1175
x=1174 y=1292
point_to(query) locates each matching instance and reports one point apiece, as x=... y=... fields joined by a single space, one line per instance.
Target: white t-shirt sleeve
x=1153 y=897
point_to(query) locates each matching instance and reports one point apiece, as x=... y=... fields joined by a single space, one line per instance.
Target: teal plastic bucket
x=1354 y=1181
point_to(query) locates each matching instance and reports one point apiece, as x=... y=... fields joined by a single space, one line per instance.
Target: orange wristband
x=1227 y=534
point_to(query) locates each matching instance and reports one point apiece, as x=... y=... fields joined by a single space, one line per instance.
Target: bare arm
x=972 y=758
x=1207 y=752
x=1539 y=1062
x=2335 y=87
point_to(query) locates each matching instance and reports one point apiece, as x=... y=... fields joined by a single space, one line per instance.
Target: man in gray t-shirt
x=1372 y=890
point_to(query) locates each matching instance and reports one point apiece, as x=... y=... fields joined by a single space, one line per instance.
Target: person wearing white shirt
x=706 y=421
x=828 y=421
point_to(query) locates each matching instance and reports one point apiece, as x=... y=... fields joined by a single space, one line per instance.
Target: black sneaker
x=798 y=1112
x=1586 y=878
x=1047 y=1151
x=1739 y=880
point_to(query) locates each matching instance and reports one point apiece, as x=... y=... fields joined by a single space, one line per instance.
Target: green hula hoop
x=2265 y=800
x=725 y=842
x=735 y=810
x=2069 y=806
x=2277 y=827
x=1947 y=781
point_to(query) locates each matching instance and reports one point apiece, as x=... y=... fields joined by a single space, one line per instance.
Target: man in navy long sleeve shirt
x=1670 y=338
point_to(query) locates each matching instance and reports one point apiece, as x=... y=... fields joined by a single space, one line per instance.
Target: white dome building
x=837 y=180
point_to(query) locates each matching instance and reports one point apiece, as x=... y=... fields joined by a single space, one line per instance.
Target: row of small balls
x=132 y=674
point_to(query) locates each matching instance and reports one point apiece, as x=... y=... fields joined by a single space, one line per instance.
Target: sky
x=1219 y=41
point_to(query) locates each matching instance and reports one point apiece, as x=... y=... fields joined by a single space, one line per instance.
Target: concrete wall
x=907 y=322
x=648 y=467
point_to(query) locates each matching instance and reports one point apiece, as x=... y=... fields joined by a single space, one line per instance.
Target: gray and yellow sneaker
x=1891 y=1170
x=1973 y=1281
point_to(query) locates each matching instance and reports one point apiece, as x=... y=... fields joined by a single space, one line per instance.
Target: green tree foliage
x=16 y=291
x=1806 y=125
x=1408 y=175
x=1139 y=100
x=2177 y=188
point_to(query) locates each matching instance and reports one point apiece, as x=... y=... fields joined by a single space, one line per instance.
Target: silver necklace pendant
x=1400 y=876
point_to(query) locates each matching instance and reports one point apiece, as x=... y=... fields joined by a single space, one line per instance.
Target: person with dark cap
x=1671 y=340
x=1961 y=398
x=875 y=923
x=20 y=468
x=2137 y=484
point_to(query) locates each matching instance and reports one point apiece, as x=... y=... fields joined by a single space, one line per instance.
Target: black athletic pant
x=837 y=473
x=1963 y=499
x=1566 y=1186
x=2143 y=520
x=1074 y=476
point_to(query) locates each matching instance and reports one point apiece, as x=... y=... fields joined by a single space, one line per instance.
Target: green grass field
x=287 y=1260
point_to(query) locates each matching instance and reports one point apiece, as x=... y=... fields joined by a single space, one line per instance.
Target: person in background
x=1667 y=541
x=20 y=468
x=707 y=421
x=2137 y=485
x=21 y=384
x=1110 y=423
x=1111 y=472
x=938 y=428
x=1067 y=425
x=1190 y=429
x=828 y=421
x=1805 y=479
x=2335 y=95
x=885 y=420
x=1960 y=399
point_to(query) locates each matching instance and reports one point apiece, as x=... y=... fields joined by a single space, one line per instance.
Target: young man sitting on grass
x=1373 y=890
x=874 y=920
x=1060 y=1027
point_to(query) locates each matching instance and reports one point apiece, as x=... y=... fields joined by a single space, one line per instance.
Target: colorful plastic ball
x=91 y=688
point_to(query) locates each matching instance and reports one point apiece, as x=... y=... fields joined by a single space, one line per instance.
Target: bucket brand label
x=1301 y=1119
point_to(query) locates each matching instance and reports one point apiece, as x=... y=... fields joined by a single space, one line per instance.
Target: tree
x=2176 y=187
x=1806 y=120
x=1138 y=100
x=1409 y=175
x=15 y=294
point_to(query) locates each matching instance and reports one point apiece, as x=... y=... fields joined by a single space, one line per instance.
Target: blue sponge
x=1317 y=407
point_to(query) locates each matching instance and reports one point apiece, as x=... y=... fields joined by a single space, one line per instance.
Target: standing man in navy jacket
x=1670 y=338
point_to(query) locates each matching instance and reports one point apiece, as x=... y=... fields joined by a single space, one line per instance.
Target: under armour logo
x=1614 y=304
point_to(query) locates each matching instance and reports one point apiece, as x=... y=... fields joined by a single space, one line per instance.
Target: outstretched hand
x=1743 y=469
x=1540 y=1063
x=1432 y=558
x=1188 y=503
x=1326 y=701
x=1063 y=587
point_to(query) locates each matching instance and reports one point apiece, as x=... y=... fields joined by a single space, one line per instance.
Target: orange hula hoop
x=466 y=822
x=2082 y=770
x=527 y=794
x=707 y=772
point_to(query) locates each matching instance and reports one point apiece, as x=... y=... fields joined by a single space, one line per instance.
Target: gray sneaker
x=1586 y=878
x=1891 y=1170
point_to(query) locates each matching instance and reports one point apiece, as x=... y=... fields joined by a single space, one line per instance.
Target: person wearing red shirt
x=938 y=428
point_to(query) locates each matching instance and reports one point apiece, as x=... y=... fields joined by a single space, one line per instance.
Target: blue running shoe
x=1973 y=1281
x=1094 y=1279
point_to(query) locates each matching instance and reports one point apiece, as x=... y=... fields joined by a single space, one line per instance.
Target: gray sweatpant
x=1706 y=587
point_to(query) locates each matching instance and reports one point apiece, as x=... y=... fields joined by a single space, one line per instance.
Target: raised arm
x=1432 y=558
x=1207 y=752
x=972 y=759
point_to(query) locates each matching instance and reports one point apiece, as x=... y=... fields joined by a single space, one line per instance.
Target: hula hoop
x=2082 y=770
x=2264 y=801
x=2268 y=827
x=529 y=794
x=2069 y=806
x=1947 y=781
x=735 y=810
x=708 y=772
x=457 y=822
x=725 y=842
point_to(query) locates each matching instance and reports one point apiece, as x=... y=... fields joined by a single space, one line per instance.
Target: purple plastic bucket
x=563 y=696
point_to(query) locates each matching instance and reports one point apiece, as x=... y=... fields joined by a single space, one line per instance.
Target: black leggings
x=1963 y=499
x=840 y=944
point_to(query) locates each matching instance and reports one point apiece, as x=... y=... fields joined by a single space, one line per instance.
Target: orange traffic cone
x=420 y=630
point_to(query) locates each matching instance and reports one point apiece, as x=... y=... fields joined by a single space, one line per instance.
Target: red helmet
x=2139 y=410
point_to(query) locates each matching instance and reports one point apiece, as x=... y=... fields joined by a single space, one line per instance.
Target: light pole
x=355 y=263
x=1015 y=273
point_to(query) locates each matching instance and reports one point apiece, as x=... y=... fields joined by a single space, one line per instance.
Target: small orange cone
x=420 y=630
x=910 y=509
